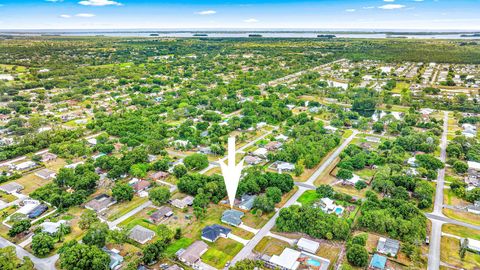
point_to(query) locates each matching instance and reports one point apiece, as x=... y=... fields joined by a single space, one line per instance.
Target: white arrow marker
x=231 y=173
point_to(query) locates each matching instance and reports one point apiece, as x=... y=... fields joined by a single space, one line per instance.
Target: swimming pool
x=338 y=210
x=313 y=262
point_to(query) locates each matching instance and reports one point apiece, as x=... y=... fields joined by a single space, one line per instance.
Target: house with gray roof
x=246 y=202
x=388 y=246
x=191 y=255
x=213 y=232
x=116 y=259
x=11 y=187
x=141 y=234
x=232 y=217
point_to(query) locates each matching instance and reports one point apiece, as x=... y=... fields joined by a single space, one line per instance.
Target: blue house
x=378 y=262
x=232 y=217
x=115 y=259
x=213 y=232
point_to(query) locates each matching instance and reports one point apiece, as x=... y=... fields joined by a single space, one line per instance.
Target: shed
x=308 y=245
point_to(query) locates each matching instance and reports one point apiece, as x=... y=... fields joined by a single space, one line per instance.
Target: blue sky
x=320 y=14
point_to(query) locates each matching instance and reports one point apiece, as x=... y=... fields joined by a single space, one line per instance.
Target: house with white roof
x=308 y=245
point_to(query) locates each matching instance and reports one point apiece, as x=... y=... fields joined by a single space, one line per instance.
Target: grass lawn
x=177 y=245
x=325 y=177
x=308 y=197
x=451 y=199
x=270 y=246
x=221 y=252
x=31 y=182
x=120 y=209
x=350 y=190
x=329 y=251
x=347 y=133
x=461 y=231
x=462 y=216
x=252 y=220
x=242 y=233
x=7 y=197
x=449 y=253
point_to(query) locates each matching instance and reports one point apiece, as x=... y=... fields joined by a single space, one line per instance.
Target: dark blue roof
x=214 y=231
x=37 y=211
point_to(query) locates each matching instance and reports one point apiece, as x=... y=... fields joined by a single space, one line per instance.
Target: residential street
x=265 y=230
x=436 y=233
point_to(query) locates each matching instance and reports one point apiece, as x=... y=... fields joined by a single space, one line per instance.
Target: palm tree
x=62 y=231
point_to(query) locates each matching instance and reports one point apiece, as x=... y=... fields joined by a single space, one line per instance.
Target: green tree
x=264 y=203
x=179 y=170
x=19 y=227
x=96 y=235
x=42 y=244
x=122 y=192
x=325 y=191
x=344 y=174
x=87 y=218
x=196 y=161
x=76 y=256
x=274 y=194
x=159 y=195
x=357 y=255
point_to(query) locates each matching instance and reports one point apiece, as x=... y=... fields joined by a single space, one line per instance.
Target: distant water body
x=243 y=34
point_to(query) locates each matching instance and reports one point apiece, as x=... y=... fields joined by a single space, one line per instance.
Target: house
x=474 y=208
x=92 y=141
x=140 y=185
x=191 y=255
x=372 y=139
x=52 y=227
x=472 y=244
x=426 y=111
x=253 y=160
x=48 y=157
x=174 y=267
x=187 y=201
x=378 y=262
x=100 y=203
x=469 y=130
x=308 y=245
x=25 y=165
x=205 y=150
x=159 y=175
x=246 y=202
x=12 y=187
x=291 y=259
x=388 y=246
x=281 y=137
x=232 y=217
x=161 y=214
x=141 y=234
x=412 y=162
x=330 y=129
x=260 y=152
x=284 y=166
x=46 y=174
x=272 y=146
x=116 y=259
x=37 y=211
x=213 y=232
x=27 y=206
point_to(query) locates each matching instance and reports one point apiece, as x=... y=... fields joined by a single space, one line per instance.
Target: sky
x=245 y=14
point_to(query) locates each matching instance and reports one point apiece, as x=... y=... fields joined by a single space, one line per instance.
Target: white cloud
x=206 y=12
x=85 y=15
x=99 y=3
x=350 y=10
x=66 y=16
x=388 y=0
x=417 y=0
x=391 y=6
x=251 y=20
x=369 y=7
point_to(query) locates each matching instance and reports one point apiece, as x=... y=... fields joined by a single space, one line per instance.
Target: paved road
x=40 y=264
x=437 y=217
x=265 y=230
x=444 y=219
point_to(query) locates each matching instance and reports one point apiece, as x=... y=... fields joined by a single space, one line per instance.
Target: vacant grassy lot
x=120 y=209
x=461 y=231
x=177 y=245
x=270 y=246
x=221 y=252
x=449 y=253
x=462 y=216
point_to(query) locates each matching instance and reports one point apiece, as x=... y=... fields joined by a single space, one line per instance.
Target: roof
x=45 y=173
x=174 y=267
x=193 y=252
x=141 y=234
x=51 y=227
x=474 y=165
x=247 y=201
x=159 y=175
x=141 y=185
x=11 y=187
x=100 y=203
x=162 y=212
x=232 y=217
x=115 y=258
x=288 y=259
x=473 y=244
x=378 y=261
x=388 y=246
x=308 y=245
x=214 y=231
